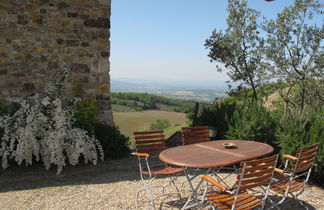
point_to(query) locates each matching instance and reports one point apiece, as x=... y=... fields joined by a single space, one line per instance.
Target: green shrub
x=160 y=124
x=252 y=122
x=86 y=115
x=114 y=144
x=217 y=116
x=296 y=131
x=8 y=108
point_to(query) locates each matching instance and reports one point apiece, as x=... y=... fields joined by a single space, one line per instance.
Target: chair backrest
x=150 y=141
x=196 y=134
x=305 y=158
x=255 y=173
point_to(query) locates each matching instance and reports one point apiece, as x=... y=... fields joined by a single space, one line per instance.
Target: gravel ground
x=109 y=185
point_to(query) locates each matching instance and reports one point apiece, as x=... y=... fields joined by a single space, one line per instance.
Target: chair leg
x=175 y=186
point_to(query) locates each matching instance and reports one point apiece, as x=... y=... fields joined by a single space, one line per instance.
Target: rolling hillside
x=128 y=122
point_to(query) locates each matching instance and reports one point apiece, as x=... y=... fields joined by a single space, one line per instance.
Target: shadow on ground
x=32 y=177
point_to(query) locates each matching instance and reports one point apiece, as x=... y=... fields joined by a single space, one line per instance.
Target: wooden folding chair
x=191 y=135
x=291 y=181
x=148 y=145
x=243 y=194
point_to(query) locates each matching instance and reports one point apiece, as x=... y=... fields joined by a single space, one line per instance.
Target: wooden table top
x=214 y=154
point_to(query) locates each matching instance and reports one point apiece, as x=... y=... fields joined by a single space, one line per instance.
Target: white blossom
x=42 y=129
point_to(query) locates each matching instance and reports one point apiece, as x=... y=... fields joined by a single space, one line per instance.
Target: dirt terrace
x=109 y=185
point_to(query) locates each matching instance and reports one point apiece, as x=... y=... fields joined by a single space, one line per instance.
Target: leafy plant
x=159 y=124
x=217 y=117
x=42 y=129
x=114 y=144
x=252 y=122
x=297 y=130
x=86 y=115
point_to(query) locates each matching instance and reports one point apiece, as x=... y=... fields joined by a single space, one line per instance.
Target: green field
x=128 y=122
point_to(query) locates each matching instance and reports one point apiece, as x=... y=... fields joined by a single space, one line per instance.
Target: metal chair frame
x=251 y=174
x=301 y=167
x=152 y=142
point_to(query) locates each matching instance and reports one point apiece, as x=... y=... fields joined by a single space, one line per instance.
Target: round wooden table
x=213 y=154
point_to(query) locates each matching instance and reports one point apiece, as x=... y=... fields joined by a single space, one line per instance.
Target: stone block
x=37 y=18
x=100 y=22
x=3 y=50
x=104 y=54
x=83 y=52
x=70 y=59
x=85 y=44
x=22 y=22
x=72 y=15
x=101 y=89
x=42 y=11
x=4 y=71
x=59 y=41
x=81 y=78
x=100 y=44
x=62 y=5
x=80 y=68
x=30 y=8
x=41 y=50
x=28 y=87
x=72 y=43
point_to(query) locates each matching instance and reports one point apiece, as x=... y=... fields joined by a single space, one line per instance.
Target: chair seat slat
x=147 y=132
x=264 y=176
x=149 y=137
x=149 y=141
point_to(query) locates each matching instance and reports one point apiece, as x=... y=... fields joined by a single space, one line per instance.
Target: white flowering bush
x=42 y=130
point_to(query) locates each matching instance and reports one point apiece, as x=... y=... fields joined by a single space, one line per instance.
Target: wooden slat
x=281 y=187
x=263 y=160
x=304 y=168
x=147 y=146
x=301 y=149
x=150 y=141
x=190 y=133
x=260 y=167
x=256 y=179
x=249 y=186
x=225 y=201
x=151 y=150
x=250 y=206
x=258 y=173
x=147 y=132
x=306 y=158
x=195 y=128
x=149 y=137
x=307 y=153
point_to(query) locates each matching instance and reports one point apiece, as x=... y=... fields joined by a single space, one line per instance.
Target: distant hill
x=144 y=101
x=203 y=91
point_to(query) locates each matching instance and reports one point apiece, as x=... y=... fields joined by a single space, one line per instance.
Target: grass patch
x=128 y=122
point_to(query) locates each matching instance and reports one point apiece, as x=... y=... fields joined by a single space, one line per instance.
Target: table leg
x=194 y=194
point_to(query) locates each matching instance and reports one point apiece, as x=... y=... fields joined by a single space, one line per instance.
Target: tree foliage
x=295 y=52
x=238 y=48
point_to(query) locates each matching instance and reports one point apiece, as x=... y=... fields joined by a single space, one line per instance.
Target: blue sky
x=164 y=39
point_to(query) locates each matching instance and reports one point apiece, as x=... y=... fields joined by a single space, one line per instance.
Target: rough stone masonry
x=41 y=37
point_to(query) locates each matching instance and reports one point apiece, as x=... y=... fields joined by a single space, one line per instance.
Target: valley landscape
x=201 y=91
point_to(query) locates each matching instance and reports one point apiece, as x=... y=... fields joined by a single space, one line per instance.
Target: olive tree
x=238 y=48
x=294 y=47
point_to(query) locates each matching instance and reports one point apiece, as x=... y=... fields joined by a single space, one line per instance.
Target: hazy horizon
x=164 y=39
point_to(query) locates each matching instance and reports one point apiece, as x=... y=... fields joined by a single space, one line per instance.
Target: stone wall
x=41 y=37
